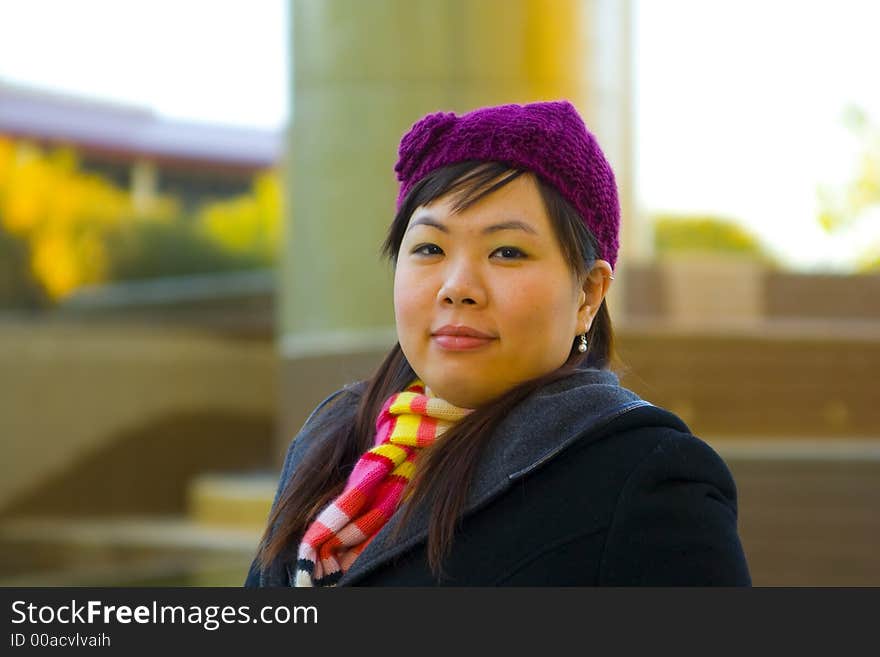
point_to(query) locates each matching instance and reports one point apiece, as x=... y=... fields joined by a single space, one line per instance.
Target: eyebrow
x=512 y=224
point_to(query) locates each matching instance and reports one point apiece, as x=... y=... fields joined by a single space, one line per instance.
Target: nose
x=462 y=284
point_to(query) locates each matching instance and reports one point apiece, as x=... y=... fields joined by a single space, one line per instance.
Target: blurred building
x=138 y=149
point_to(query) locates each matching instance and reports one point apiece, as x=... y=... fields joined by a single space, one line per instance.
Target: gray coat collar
x=565 y=411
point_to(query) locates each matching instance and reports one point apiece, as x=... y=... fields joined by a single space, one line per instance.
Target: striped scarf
x=408 y=421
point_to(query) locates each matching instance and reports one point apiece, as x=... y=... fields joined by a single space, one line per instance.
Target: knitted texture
x=409 y=421
x=548 y=138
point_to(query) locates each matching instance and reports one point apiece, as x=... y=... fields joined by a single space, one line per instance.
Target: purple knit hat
x=549 y=139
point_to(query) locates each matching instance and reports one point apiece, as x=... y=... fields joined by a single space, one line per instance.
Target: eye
x=427 y=249
x=509 y=253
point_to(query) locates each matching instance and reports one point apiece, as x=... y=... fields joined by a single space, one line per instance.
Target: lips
x=462 y=330
x=460 y=338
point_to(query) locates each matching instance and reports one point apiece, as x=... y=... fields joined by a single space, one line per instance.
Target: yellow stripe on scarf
x=405 y=469
x=406 y=430
x=403 y=403
x=392 y=452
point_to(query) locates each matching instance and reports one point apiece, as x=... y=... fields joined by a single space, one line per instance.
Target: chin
x=456 y=394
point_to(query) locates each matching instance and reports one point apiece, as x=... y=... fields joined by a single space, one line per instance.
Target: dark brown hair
x=445 y=469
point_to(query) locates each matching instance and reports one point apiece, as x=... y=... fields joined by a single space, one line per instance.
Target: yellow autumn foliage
x=704 y=234
x=70 y=218
x=247 y=224
x=62 y=212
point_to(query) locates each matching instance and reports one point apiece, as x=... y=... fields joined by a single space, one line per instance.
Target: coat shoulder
x=339 y=406
x=657 y=441
x=674 y=522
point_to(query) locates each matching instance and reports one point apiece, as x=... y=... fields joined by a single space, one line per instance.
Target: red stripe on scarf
x=352 y=503
x=427 y=431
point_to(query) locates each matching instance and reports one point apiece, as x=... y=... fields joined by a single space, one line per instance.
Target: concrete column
x=144 y=184
x=363 y=73
x=610 y=112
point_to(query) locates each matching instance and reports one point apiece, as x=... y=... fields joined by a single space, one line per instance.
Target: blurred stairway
x=808 y=517
x=211 y=545
x=808 y=509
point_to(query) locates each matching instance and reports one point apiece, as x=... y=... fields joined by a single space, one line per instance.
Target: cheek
x=539 y=313
x=403 y=308
x=409 y=298
x=538 y=300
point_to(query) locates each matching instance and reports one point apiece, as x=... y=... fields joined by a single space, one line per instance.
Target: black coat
x=583 y=484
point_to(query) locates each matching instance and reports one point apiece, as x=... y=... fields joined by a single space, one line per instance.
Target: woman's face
x=495 y=268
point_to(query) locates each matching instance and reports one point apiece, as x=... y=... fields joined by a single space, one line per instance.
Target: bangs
x=465 y=183
x=476 y=184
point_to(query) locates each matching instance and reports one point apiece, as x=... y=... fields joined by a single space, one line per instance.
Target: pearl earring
x=582 y=347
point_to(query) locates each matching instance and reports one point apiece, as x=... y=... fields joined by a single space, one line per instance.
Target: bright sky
x=222 y=61
x=738 y=103
x=740 y=107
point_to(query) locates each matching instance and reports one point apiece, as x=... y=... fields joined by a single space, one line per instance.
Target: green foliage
x=842 y=207
x=19 y=288
x=140 y=249
x=704 y=234
x=869 y=261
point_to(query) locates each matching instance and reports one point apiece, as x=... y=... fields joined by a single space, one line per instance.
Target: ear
x=595 y=287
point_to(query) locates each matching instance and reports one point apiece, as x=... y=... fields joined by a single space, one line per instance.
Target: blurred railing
x=238 y=303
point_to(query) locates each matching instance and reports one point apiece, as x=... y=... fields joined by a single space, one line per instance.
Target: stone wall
x=119 y=417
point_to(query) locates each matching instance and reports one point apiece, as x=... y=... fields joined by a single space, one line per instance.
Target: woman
x=493 y=446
